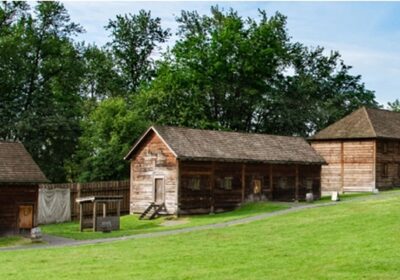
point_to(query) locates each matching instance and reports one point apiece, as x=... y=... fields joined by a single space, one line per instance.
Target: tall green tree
x=40 y=76
x=108 y=133
x=247 y=75
x=100 y=79
x=113 y=75
x=395 y=105
x=134 y=39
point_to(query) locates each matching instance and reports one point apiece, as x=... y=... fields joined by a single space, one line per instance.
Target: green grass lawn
x=14 y=241
x=344 y=197
x=130 y=224
x=353 y=240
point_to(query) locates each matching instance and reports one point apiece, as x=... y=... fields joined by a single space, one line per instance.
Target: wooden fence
x=92 y=189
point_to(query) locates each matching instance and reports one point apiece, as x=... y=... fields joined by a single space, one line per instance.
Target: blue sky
x=367 y=34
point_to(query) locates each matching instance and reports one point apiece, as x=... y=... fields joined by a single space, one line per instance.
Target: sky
x=367 y=34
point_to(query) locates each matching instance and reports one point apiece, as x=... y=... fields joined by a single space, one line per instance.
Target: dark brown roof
x=17 y=165
x=187 y=143
x=363 y=123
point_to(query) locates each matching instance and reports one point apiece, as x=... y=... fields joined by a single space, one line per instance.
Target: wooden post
x=374 y=166
x=80 y=217
x=297 y=184
x=94 y=215
x=178 y=187
x=271 y=182
x=78 y=195
x=212 y=187
x=104 y=210
x=119 y=208
x=243 y=180
x=342 y=166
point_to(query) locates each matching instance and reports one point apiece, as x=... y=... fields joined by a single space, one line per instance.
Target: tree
x=40 y=74
x=240 y=74
x=134 y=40
x=101 y=80
x=394 y=106
x=108 y=133
x=319 y=92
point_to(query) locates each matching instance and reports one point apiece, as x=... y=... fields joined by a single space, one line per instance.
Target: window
x=385 y=148
x=385 y=170
x=194 y=183
x=228 y=183
x=225 y=183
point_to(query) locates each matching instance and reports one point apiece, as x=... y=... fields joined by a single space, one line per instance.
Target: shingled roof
x=199 y=144
x=17 y=165
x=363 y=123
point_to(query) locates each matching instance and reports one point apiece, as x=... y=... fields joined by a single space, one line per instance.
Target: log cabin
x=201 y=171
x=362 y=151
x=19 y=183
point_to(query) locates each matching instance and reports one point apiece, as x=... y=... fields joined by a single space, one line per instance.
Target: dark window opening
x=194 y=183
x=385 y=170
x=225 y=183
x=385 y=148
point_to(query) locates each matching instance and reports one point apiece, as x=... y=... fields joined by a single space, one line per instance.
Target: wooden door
x=25 y=216
x=159 y=190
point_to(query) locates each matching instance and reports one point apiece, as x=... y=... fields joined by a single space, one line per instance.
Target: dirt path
x=55 y=242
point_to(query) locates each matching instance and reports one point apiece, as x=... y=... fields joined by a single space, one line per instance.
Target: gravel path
x=54 y=242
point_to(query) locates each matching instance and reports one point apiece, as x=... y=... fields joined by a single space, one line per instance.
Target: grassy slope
x=14 y=241
x=354 y=240
x=132 y=225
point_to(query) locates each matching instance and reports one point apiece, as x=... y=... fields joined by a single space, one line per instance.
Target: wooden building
x=19 y=182
x=200 y=171
x=362 y=151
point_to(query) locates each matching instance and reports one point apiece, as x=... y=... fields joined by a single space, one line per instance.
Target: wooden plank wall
x=211 y=197
x=390 y=156
x=350 y=166
x=331 y=177
x=92 y=189
x=10 y=198
x=153 y=160
x=359 y=165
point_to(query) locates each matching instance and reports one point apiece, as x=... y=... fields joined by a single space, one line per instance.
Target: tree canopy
x=79 y=107
x=247 y=75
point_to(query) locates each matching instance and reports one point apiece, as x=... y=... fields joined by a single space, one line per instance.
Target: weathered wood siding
x=11 y=197
x=277 y=182
x=92 y=189
x=351 y=165
x=387 y=157
x=153 y=160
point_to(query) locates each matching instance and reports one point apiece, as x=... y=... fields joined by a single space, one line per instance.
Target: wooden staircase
x=152 y=211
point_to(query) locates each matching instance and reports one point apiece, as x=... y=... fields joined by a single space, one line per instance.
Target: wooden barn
x=19 y=182
x=362 y=151
x=200 y=171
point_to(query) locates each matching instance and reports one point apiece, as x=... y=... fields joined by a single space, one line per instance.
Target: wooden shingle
x=364 y=123
x=199 y=144
x=17 y=165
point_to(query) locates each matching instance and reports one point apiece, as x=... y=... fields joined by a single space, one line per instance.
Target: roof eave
x=187 y=158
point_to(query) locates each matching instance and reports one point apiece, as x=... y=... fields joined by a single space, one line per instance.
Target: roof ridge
x=365 y=109
x=227 y=131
